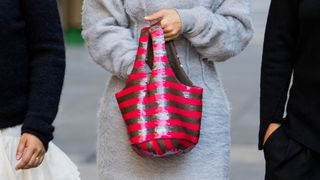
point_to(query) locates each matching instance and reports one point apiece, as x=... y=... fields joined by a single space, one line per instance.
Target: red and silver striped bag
x=162 y=109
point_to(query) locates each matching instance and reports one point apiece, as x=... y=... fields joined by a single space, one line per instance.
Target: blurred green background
x=70 y=11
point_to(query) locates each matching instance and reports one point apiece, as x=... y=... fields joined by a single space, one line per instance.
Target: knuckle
x=38 y=150
x=24 y=162
x=163 y=24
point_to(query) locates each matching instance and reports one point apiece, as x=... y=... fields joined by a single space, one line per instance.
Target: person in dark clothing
x=291 y=53
x=32 y=66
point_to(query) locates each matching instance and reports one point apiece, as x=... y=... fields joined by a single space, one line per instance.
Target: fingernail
x=18 y=156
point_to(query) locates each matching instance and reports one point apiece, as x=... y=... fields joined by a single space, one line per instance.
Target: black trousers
x=287 y=159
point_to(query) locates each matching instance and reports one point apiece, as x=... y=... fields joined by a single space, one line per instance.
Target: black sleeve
x=278 y=53
x=47 y=66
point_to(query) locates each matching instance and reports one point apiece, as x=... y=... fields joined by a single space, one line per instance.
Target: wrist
x=187 y=19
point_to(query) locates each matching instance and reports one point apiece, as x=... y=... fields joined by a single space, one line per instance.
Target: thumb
x=21 y=147
x=157 y=15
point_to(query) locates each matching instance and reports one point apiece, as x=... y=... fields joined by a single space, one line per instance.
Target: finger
x=164 y=23
x=40 y=160
x=33 y=161
x=167 y=29
x=170 y=38
x=170 y=34
x=157 y=15
x=21 y=147
x=25 y=158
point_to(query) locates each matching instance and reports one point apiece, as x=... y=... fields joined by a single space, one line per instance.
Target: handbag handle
x=168 y=50
x=159 y=56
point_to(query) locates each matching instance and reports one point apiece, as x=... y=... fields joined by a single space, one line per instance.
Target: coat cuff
x=187 y=18
x=42 y=138
x=40 y=127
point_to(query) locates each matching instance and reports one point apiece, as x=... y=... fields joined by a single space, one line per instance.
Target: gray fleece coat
x=213 y=30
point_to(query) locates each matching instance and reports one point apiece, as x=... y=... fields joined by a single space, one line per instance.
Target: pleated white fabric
x=56 y=165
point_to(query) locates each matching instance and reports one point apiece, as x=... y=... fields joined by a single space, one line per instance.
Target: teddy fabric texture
x=213 y=30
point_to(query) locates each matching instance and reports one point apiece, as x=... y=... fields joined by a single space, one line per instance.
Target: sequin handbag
x=161 y=107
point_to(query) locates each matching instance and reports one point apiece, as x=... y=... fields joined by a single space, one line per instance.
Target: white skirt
x=56 y=165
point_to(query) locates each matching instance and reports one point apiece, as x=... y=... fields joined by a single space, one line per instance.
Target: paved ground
x=76 y=123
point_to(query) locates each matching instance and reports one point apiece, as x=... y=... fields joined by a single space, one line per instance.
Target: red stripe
x=177 y=86
x=159 y=46
x=157 y=123
x=161 y=84
x=135 y=76
x=163 y=71
x=160 y=59
x=157 y=33
x=160 y=97
x=157 y=110
x=168 y=144
x=166 y=135
x=141 y=51
x=144 y=148
x=131 y=89
x=155 y=72
x=156 y=148
x=186 y=144
x=139 y=63
x=144 y=38
x=145 y=28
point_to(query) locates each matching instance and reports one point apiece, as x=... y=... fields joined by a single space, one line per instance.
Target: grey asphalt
x=85 y=81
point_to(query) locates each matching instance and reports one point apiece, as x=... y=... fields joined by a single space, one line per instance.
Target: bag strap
x=176 y=65
x=166 y=53
x=141 y=55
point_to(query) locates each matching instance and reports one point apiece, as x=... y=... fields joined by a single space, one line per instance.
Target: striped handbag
x=162 y=109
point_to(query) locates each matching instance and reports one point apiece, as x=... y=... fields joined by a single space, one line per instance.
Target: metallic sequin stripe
x=162 y=146
x=163 y=129
x=138 y=150
x=165 y=86
x=154 y=79
x=150 y=147
x=142 y=48
x=161 y=97
x=165 y=135
x=157 y=148
x=174 y=92
x=155 y=73
x=144 y=148
x=168 y=144
x=167 y=122
x=139 y=64
x=178 y=145
x=160 y=103
x=159 y=85
x=157 y=110
x=137 y=76
x=162 y=116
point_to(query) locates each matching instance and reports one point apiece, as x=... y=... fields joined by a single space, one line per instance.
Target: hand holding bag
x=162 y=109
